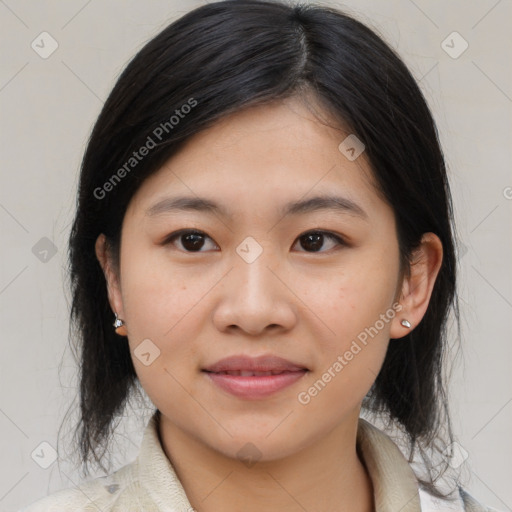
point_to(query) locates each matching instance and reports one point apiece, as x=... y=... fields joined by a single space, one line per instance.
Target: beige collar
x=395 y=486
x=394 y=483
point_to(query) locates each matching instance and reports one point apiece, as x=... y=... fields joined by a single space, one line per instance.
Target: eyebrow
x=201 y=204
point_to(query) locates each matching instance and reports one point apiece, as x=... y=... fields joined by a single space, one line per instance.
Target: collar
x=395 y=485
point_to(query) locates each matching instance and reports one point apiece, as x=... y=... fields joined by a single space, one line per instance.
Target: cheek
x=354 y=301
x=162 y=310
x=353 y=348
x=163 y=307
x=156 y=296
x=357 y=308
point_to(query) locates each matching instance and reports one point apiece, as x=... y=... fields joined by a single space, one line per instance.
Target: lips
x=254 y=378
x=249 y=373
x=266 y=365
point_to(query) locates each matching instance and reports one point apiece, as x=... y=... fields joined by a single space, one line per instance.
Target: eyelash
x=328 y=234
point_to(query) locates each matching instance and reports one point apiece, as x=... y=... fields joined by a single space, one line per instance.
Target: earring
x=406 y=323
x=120 y=327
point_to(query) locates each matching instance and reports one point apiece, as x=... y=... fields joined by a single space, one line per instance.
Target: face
x=316 y=285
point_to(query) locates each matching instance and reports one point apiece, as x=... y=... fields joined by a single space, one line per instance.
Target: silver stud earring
x=406 y=323
x=117 y=322
x=119 y=326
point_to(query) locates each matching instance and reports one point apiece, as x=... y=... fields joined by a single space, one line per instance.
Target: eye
x=194 y=240
x=314 y=240
x=191 y=240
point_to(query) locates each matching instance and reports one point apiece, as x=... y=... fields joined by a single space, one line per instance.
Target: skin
x=304 y=305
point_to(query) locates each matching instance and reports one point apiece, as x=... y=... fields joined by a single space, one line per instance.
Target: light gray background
x=48 y=107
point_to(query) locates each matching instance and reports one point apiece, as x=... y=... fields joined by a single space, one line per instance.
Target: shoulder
x=147 y=483
x=399 y=478
x=460 y=501
x=472 y=505
x=85 y=497
x=116 y=492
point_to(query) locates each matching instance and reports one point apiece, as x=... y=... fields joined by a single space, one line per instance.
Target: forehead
x=261 y=158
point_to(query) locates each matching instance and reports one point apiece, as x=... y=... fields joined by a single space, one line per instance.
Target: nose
x=254 y=297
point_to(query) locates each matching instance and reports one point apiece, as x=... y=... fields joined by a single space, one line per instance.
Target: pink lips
x=253 y=378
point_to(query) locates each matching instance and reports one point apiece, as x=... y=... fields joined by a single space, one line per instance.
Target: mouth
x=254 y=378
x=269 y=364
x=249 y=373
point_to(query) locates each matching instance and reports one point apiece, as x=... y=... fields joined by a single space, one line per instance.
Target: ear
x=113 y=281
x=417 y=286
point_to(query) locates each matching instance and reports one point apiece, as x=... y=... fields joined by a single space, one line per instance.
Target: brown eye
x=191 y=240
x=313 y=241
x=195 y=241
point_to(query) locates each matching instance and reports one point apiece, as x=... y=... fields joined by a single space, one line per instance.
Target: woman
x=265 y=218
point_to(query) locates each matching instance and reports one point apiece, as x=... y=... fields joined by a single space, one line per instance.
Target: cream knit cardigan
x=150 y=484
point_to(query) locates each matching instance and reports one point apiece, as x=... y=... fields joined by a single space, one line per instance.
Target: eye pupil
x=317 y=241
x=193 y=241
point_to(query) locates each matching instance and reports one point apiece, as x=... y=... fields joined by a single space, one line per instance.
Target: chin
x=254 y=443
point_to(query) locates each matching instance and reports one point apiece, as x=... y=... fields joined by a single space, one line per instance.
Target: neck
x=327 y=476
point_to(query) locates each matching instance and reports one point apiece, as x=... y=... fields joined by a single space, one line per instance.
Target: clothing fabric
x=150 y=483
